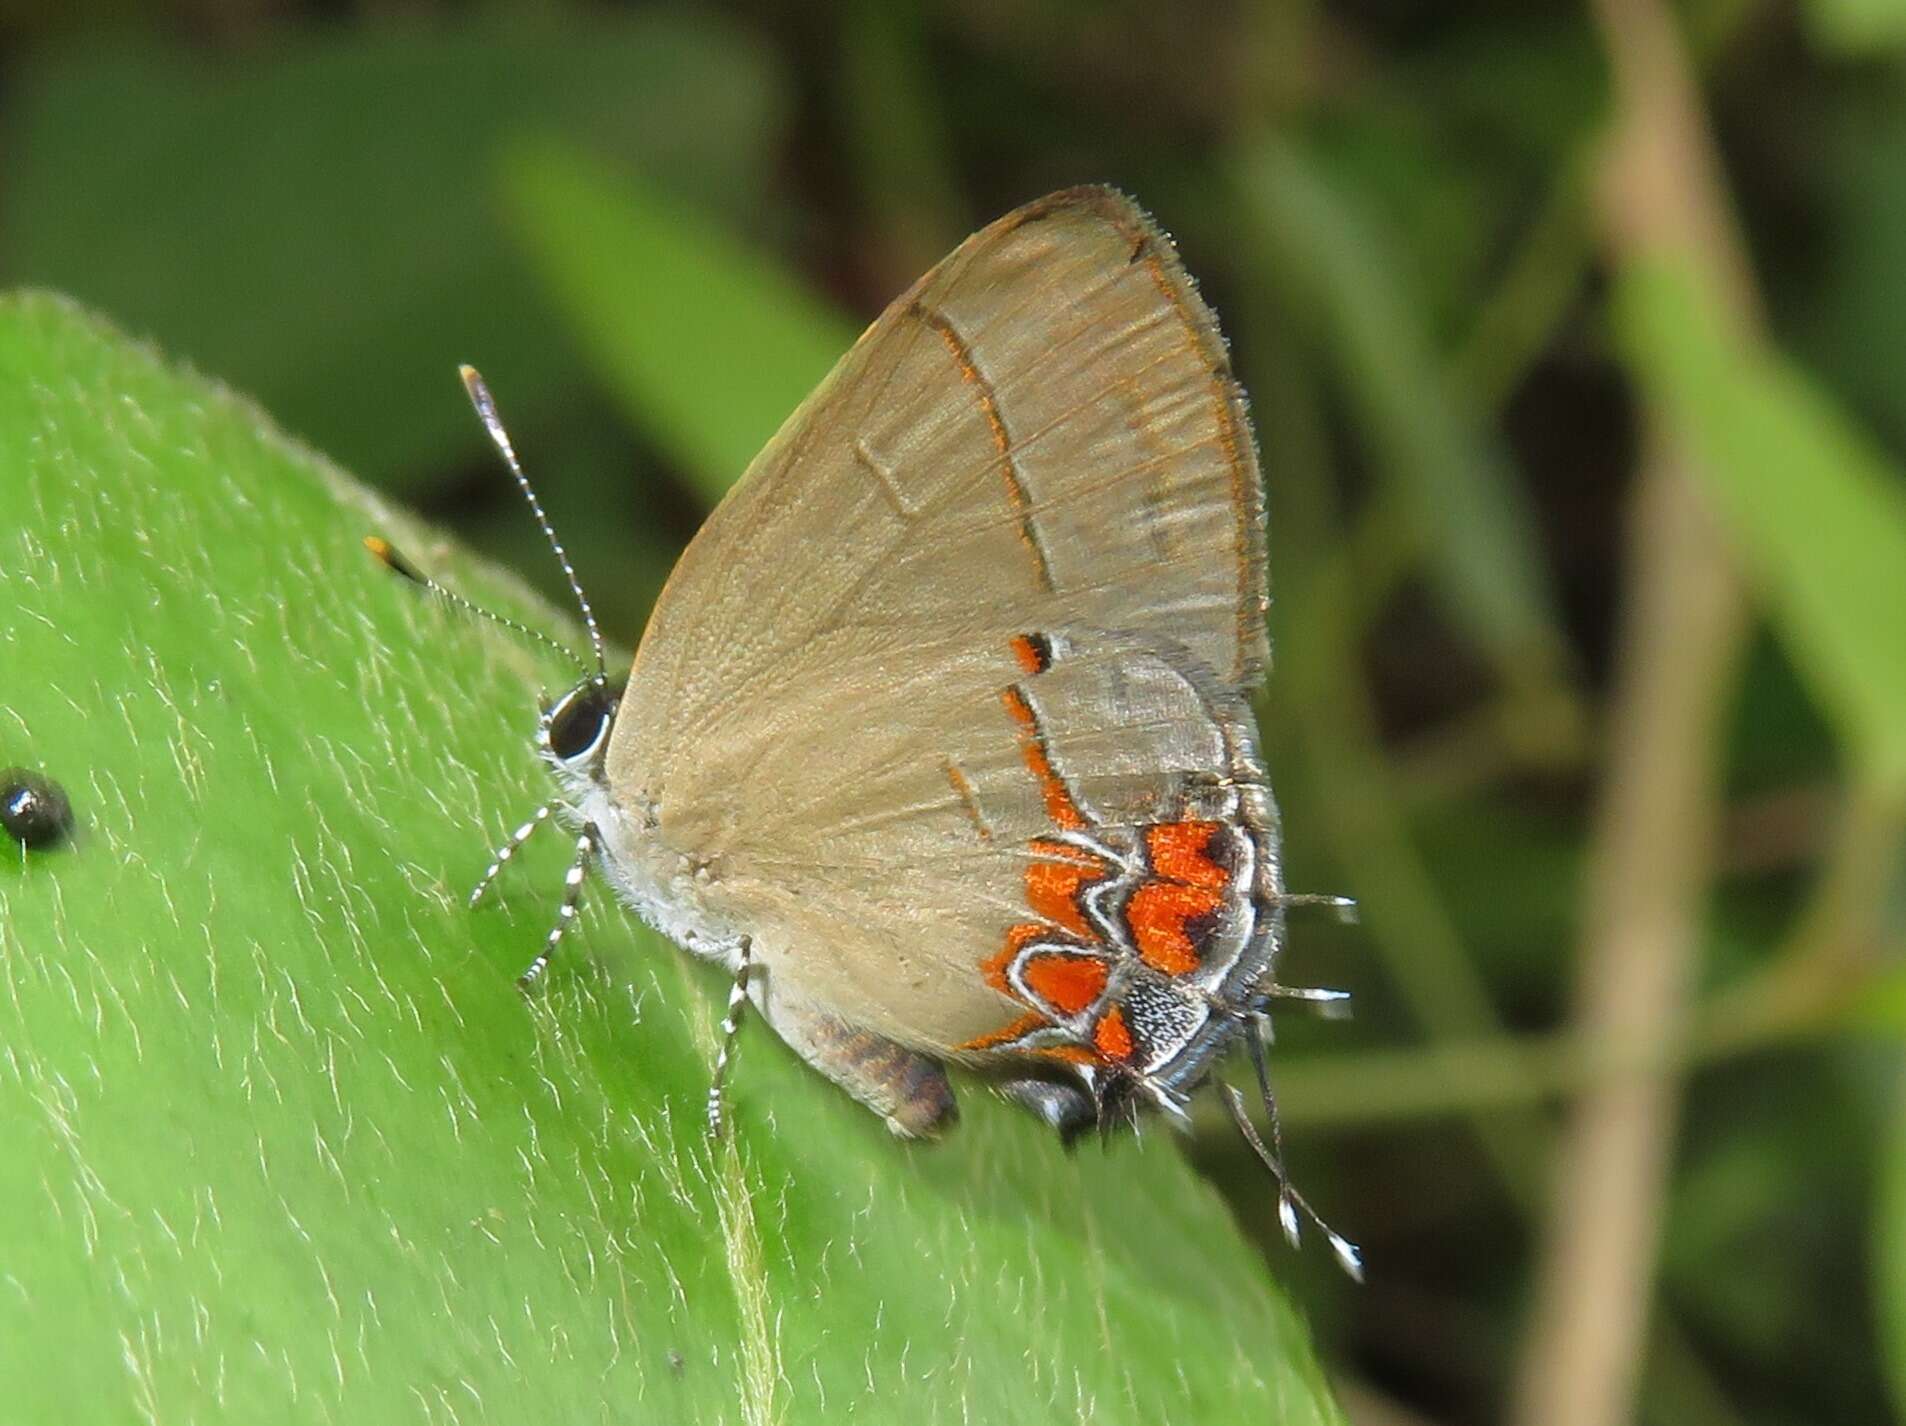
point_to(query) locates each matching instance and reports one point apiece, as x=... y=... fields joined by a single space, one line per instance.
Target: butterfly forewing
x=1044 y=430
x=997 y=584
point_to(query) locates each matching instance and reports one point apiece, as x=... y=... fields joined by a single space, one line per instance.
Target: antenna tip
x=386 y=554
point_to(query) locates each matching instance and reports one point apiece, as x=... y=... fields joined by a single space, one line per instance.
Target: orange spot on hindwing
x=1069 y=984
x=1112 y=1036
x=1034 y=652
x=1160 y=914
x=1056 y=878
x=1167 y=914
x=1182 y=852
x=994 y=967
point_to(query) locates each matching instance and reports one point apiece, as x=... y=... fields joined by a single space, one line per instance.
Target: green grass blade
x=1818 y=512
x=284 y=1143
x=1856 y=28
x=1480 y=545
x=708 y=345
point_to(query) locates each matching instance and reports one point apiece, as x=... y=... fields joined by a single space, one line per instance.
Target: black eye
x=580 y=721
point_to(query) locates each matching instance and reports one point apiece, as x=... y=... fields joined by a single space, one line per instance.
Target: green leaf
x=708 y=345
x=284 y=1142
x=1818 y=513
x=316 y=222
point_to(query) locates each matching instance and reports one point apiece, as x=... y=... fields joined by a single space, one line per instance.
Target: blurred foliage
x=1783 y=465
x=653 y=226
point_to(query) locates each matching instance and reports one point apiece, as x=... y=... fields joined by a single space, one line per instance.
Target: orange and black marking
x=1112 y=1037
x=1123 y=917
x=1173 y=914
x=1033 y=652
x=997 y=968
x=1056 y=882
x=1060 y=805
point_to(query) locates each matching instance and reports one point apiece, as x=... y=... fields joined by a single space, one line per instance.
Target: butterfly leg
x=586 y=847
x=730 y=1027
x=503 y=853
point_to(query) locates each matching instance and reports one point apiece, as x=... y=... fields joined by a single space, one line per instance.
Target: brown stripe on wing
x=1016 y=494
x=1148 y=243
x=963 y=789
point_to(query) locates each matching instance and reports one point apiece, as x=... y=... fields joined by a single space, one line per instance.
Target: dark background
x=1413 y=224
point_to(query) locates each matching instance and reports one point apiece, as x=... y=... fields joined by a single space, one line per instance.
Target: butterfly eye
x=579 y=723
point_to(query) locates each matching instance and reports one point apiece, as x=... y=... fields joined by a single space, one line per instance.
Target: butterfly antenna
x=486 y=412
x=386 y=555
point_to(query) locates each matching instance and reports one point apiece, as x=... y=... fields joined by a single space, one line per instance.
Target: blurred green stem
x=1517 y=321
x=1680 y=640
x=1831 y=957
x=1829 y=964
x=888 y=95
x=1795 y=997
x=1321 y=579
x=1471 y=525
x=1422 y=950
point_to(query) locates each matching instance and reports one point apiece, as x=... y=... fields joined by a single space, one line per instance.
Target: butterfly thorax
x=662 y=883
x=668 y=888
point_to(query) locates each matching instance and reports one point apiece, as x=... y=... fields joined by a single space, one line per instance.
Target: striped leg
x=730 y=1025
x=586 y=846
x=509 y=848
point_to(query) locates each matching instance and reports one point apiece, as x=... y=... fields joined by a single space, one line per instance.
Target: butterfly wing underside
x=833 y=709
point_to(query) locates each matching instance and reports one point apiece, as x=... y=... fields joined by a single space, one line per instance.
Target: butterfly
x=939 y=737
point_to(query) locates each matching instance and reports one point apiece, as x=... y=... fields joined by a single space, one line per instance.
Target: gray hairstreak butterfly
x=939 y=736
x=34 y=810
